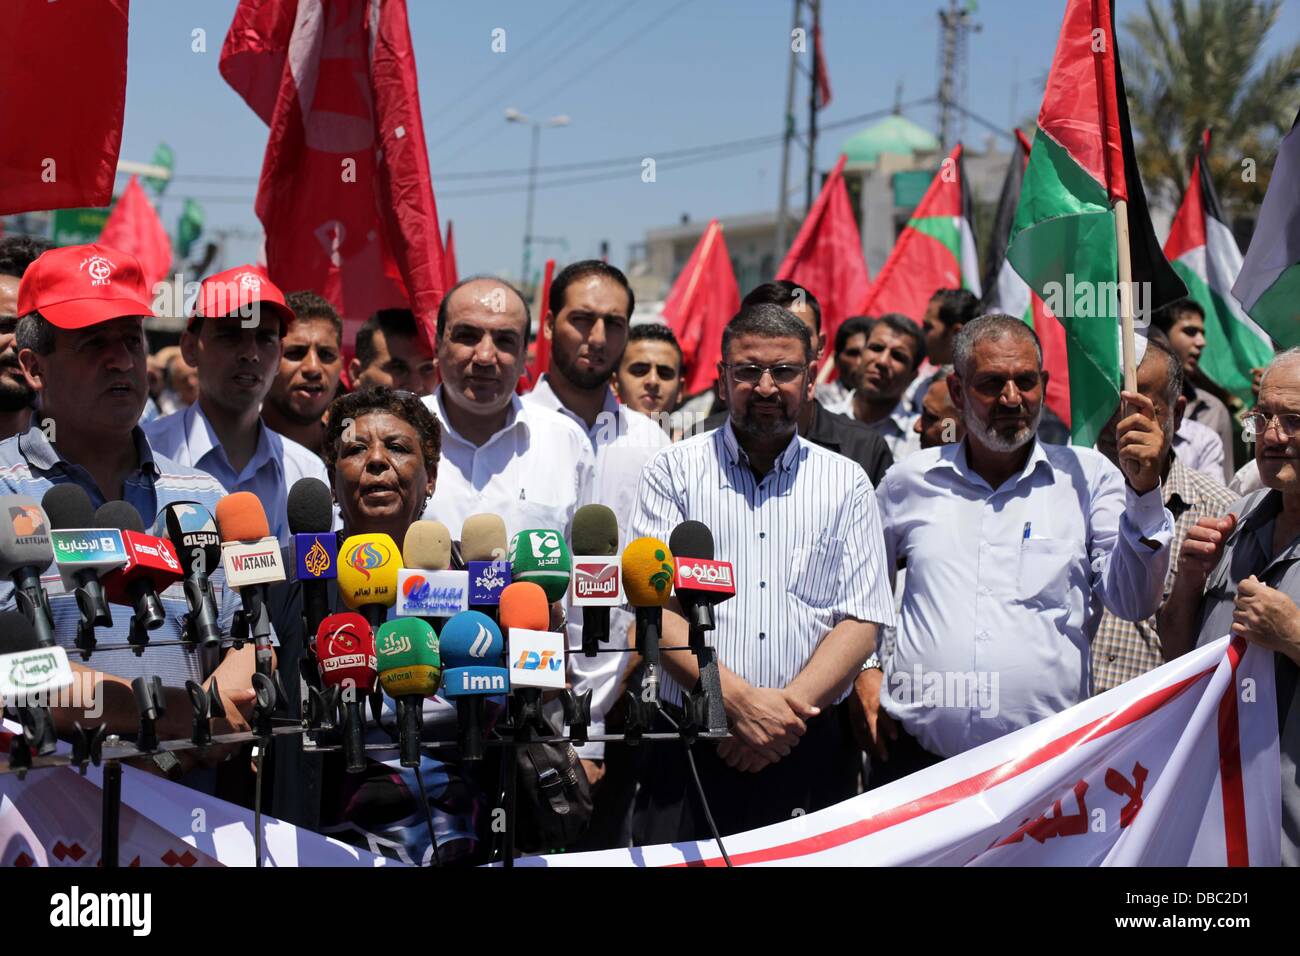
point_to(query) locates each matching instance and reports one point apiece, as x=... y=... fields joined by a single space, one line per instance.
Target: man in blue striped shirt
x=80 y=340
x=800 y=524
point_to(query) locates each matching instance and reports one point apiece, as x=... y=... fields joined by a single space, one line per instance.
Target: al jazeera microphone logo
x=317 y=560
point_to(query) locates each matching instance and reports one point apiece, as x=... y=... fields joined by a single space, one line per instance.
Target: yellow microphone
x=648 y=571
x=368 y=566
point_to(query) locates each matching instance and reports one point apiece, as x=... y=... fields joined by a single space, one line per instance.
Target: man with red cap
x=81 y=345
x=235 y=342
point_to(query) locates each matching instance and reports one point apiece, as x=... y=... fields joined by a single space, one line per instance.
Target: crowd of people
x=919 y=514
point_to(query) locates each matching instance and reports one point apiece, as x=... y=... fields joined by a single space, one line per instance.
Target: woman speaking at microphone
x=381 y=450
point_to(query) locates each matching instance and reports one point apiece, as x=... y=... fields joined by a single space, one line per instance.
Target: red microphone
x=151 y=567
x=345 y=651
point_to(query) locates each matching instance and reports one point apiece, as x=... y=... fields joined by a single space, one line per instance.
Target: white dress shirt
x=187 y=437
x=896 y=428
x=1199 y=448
x=1005 y=587
x=622 y=441
x=805 y=542
x=535 y=472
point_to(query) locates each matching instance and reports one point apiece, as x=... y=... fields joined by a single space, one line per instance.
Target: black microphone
x=25 y=552
x=83 y=553
x=29 y=674
x=193 y=533
x=700 y=581
x=315 y=547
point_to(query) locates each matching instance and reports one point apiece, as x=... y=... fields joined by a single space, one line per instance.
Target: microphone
x=82 y=553
x=471 y=647
x=345 y=648
x=648 y=578
x=410 y=669
x=29 y=673
x=541 y=557
x=25 y=552
x=596 y=583
x=483 y=548
x=700 y=582
x=250 y=555
x=368 y=569
x=151 y=567
x=315 y=546
x=534 y=655
x=193 y=533
x=425 y=586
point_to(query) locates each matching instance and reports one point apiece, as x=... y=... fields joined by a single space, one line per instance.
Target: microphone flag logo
x=482 y=642
x=27 y=521
x=317 y=560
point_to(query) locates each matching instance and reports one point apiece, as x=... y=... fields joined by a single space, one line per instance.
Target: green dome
x=893 y=134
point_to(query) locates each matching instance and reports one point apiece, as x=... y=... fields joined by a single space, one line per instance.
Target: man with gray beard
x=1013 y=548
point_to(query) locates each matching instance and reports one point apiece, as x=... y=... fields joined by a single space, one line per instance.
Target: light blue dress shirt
x=1005 y=587
x=187 y=437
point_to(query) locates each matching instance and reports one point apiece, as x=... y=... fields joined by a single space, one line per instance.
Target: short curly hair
x=381 y=398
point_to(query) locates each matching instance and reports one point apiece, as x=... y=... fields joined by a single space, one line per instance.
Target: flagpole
x=1127 y=343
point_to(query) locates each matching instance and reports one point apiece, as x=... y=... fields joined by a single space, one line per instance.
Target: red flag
x=62 y=93
x=700 y=304
x=542 y=347
x=450 y=275
x=826 y=257
x=823 y=77
x=345 y=195
x=133 y=226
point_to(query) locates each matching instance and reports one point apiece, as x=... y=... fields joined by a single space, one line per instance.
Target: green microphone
x=540 y=555
x=410 y=669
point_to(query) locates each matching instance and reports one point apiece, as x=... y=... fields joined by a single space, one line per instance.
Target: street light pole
x=514 y=116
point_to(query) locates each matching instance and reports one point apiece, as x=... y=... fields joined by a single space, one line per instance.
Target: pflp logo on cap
x=99 y=268
x=250 y=281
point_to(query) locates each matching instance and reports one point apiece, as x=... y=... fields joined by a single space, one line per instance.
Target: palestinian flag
x=936 y=249
x=1063 y=239
x=1006 y=292
x=1205 y=254
x=1268 y=286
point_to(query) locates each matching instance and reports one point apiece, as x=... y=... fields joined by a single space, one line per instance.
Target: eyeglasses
x=753 y=374
x=1256 y=423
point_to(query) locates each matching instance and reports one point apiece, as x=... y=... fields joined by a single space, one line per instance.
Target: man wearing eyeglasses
x=801 y=527
x=1240 y=574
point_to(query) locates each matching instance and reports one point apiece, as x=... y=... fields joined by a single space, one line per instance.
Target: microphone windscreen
x=241 y=517
x=345 y=650
x=310 y=507
x=190 y=527
x=524 y=604
x=471 y=639
x=692 y=539
x=119 y=514
x=427 y=546
x=68 y=506
x=16 y=633
x=595 y=531
x=483 y=538
x=406 y=650
x=647 y=572
x=368 y=566
x=540 y=555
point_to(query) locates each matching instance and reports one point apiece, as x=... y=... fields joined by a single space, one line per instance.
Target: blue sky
x=636 y=77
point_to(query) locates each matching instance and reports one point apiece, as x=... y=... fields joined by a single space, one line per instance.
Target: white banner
x=52 y=818
x=1176 y=768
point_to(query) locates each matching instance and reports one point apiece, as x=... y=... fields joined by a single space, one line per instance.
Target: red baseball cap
x=235 y=293
x=78 y=286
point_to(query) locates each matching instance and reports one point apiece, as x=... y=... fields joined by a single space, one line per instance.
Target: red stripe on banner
x=1230 y=777
x=954 y=793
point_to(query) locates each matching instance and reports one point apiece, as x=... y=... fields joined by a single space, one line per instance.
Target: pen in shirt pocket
x=1025 y=536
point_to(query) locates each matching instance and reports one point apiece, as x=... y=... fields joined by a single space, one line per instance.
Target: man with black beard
x=587 y=317
x=1013 y=548
x=16 y=396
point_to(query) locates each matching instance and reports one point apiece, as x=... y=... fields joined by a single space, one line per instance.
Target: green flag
x=189 y=228
x=164 y=157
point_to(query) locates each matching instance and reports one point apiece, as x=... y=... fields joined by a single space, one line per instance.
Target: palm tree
x=1196 y=65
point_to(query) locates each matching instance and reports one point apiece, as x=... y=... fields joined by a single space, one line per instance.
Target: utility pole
x=514 y=116
x=814 y=81
x=783 y=184
x=955 y=25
